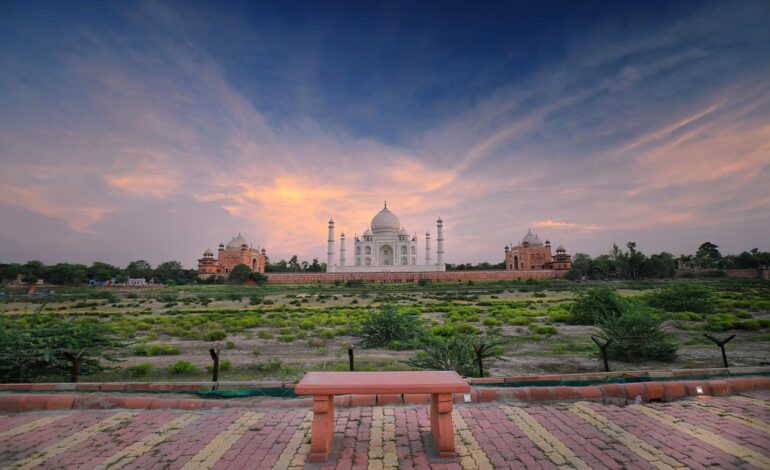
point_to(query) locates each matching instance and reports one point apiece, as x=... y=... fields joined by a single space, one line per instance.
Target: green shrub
x=637 y=335
x=156 y=350
x=455 y=353
x=315 y=342
x=683 y=297
x=387 y=325
x=229 y=345
x=224 y=366
x=593 y=305
x=183 y=367
x=721 y=322
x=751 y=325
x=139 y=370
x=256 y=352
x=216 y=335
x=265 y=334
x=307 y=324
x=547 y=330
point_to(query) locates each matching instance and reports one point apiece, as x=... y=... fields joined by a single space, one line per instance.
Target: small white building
x=385 y=247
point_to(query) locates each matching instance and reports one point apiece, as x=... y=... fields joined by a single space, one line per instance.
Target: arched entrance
x=516 y=263
x=386 y=255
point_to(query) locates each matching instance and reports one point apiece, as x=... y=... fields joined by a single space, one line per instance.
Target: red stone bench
x=324 y=385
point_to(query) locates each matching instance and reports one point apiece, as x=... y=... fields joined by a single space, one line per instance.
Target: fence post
x=721 y=345
x=350 y=359
x=603 y=348
x=215 y=356
x=76 y=360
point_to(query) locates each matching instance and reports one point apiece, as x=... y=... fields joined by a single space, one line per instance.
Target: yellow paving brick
x=130 y=453
x=753 y=401
x=472 y=456
x=37 y=458
x=38 y=423
x=641 y=448
x=298 y=447
x=382 y=439
x=757 y=424
x=750 y=456
x=551 y=446
x=207 y=457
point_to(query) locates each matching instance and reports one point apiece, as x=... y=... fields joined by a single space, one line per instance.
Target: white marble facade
x=384 y=247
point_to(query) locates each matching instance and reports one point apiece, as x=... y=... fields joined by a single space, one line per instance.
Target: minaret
x=440 y=242
x=342 y=249
x=427 y=248
x=330 y=248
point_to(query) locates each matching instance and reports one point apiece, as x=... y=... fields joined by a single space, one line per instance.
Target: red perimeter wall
x=446 y=276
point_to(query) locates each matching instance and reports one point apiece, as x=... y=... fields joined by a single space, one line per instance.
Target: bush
x=183 y=367
x=230 y=345
x=683 y=297
x=216 y=335
x=637 y=334
x=593 y=305
x=385 y=327
x=156 y=350
x=457 y=353
x=139 y=370
x=224 y=366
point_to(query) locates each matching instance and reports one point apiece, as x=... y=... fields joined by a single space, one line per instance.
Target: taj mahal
x=385 y=247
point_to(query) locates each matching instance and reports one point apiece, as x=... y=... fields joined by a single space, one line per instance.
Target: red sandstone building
x=237 y=251
x=532 y=255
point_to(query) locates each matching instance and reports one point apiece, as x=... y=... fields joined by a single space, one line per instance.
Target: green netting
x=277 y=392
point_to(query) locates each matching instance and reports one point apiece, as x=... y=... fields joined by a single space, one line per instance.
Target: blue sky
x=158 y=129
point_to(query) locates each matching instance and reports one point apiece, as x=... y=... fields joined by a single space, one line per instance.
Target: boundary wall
x=440 y=276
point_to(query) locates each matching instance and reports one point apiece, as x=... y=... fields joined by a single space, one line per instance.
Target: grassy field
x=279 y=332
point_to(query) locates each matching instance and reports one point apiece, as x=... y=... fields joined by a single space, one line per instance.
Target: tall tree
x=138 y=269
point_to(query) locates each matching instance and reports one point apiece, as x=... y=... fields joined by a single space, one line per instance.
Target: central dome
x=385 y=222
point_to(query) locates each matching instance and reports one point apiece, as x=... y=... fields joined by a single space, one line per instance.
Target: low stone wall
x=444 y=276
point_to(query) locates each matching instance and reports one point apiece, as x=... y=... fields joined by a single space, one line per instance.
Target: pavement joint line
x=37 y=458
x=757 y=424
x=38 y=423
x=298 y=447
x=750 y=456
x=753 y=401
x=644 y=450
x=207 y=457
x=470 y=453
x=551 y=446
x=128 y=454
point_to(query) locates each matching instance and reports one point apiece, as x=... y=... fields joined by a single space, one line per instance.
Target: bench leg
x=441 y=424
x=322 y=430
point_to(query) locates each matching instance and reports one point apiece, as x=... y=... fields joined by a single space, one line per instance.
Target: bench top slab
x=339 y=383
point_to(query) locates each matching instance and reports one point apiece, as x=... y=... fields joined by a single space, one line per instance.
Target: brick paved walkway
x=726 y=432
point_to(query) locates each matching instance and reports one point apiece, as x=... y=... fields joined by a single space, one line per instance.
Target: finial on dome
x=386 y=204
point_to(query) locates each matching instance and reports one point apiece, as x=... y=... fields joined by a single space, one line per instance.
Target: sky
x=156 y=129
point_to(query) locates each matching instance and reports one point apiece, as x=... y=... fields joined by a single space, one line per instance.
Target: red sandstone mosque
x=237 y=251
x=532 y=254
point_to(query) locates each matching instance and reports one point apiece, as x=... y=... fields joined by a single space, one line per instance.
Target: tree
x=294 y=264
x=139 y=269
x=460 y=353
x=258 y=278
x=168 y=271
x=239 y=274
x=708 y=251
x=65 y=273
x=389 y=328
x=103 y=271
x=660 y=266
x=9 y=272
x=637 y=334
x=635 y=260
x=40 y=345
x=34 y=268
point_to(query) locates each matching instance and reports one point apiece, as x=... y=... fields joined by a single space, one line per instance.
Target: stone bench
x=324 y=385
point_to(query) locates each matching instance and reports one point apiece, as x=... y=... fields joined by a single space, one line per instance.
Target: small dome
x=560 y=249
x=237 y=242
x=385 y=222
x=208 y=253
x=532 y=239
x=403 y=232
x=367 y=233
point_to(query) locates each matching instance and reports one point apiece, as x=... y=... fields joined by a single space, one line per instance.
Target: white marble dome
x=385 y=222
x=236 y=242
x=532 y=239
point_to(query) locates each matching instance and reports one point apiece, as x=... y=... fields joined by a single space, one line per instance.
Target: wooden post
x=215 y=356
x=76 y=360
x=603 y=348
x=350 y=359
x=479 y=350
x=721 y=344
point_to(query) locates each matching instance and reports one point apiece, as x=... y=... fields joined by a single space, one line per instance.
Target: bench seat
x=323 y=386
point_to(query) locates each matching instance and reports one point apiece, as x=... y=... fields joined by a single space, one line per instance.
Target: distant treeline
x=618 y=263
x=633 y=264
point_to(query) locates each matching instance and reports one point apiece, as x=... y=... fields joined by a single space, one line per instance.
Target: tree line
x=633 y=264
x=75 y=274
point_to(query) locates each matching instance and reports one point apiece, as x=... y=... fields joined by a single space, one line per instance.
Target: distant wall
x=446 y=276
x=743 y=273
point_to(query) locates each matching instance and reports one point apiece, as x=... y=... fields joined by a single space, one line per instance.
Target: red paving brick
x=539 y=437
